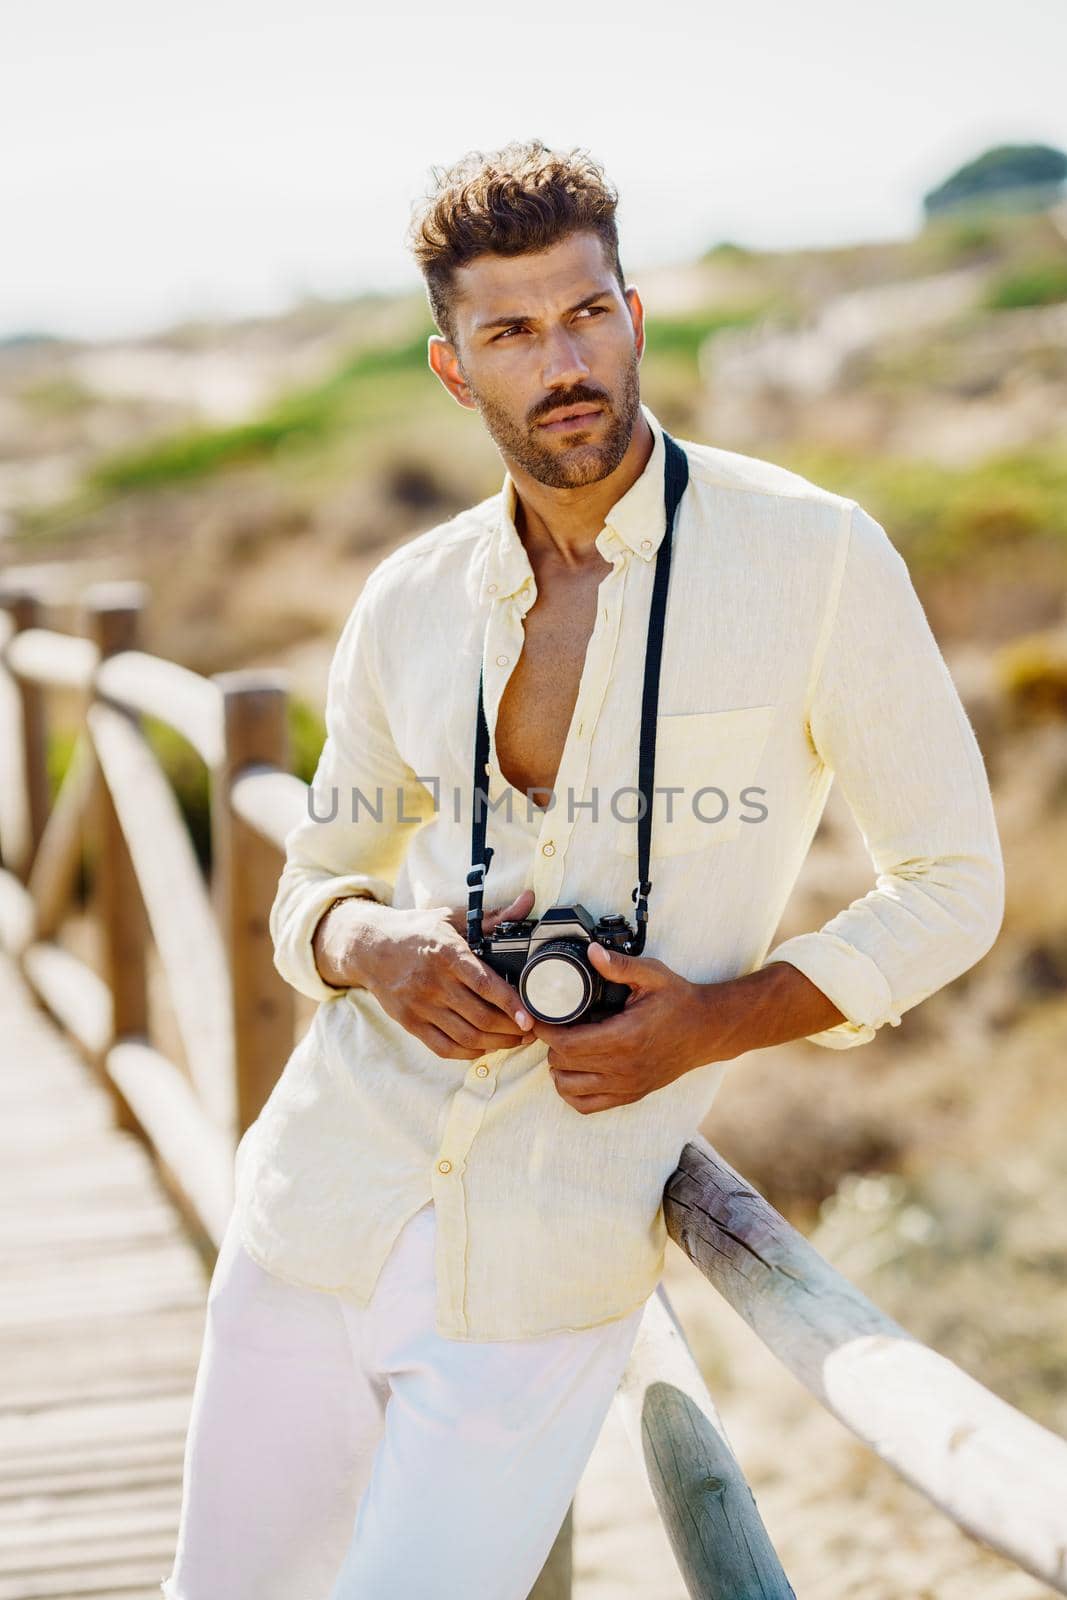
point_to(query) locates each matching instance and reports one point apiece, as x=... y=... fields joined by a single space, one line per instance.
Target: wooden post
x=112 y=617
x=245 y=875
x=557 y=1575
x=24 y=609
x=710 y=1514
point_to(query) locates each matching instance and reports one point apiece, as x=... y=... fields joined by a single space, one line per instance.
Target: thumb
x=457 y=915
x=516 y=910
x=636 y=971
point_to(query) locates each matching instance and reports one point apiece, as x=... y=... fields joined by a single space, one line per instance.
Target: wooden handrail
x=270 y=802
x=177 y=904
x=156 y=688
x=995 y=1472
x=52 y=660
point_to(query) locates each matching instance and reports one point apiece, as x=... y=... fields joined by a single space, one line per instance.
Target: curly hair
x=522 y=198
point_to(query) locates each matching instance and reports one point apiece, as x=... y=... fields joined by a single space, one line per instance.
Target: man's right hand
x=421 y=970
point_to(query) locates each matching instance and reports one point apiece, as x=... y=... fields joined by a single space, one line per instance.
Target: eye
x=516 y=327
x=594 y=311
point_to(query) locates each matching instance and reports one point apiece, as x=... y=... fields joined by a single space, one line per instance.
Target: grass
x=680 y=338
x=1040 y=283
x=305 y=418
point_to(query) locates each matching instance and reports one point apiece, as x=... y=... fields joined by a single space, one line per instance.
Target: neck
x=566 y=522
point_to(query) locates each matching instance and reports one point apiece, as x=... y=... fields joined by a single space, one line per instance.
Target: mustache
x=576 y=397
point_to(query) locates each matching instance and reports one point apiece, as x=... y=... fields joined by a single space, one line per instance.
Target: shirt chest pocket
x=708 y=759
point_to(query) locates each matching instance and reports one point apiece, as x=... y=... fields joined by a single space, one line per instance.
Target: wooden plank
x=138 y=1576
x=85 y=1425
x=101 y=1328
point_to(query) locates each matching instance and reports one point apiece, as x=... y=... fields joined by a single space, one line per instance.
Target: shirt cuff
x=294 y=957
x=846 y=976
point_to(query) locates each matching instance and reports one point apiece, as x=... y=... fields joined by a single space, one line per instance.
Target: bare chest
x=537 y=705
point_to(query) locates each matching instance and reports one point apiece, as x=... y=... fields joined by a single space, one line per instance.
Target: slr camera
x=546 y=959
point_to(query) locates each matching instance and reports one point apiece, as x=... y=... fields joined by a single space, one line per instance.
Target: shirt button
x=444 y=1166
x=501 y=661
x=548 y=849
x=646 y=544
x=483 y=1072
x=491 y=588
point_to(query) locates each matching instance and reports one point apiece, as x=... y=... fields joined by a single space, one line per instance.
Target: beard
x=576 y=464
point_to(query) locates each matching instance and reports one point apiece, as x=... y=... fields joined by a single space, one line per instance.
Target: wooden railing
x=999 y=1475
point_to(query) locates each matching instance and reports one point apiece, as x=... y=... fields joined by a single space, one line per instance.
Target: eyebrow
x=507 y=321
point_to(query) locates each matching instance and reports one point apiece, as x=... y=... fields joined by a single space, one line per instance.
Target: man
x=449 y=1213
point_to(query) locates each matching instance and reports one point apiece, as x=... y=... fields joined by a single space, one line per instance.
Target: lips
x=579 y=416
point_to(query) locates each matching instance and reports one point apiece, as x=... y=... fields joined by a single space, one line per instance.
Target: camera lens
x=557 y=984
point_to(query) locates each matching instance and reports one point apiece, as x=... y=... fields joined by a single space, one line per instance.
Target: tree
x=1023 y=175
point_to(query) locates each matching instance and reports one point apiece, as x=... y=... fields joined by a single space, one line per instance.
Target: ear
x=442 y=357
x=637 y=317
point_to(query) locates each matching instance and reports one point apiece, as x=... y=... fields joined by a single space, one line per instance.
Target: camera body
x=546 y=959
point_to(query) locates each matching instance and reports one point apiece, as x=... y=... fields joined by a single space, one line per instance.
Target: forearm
x=771 y=1006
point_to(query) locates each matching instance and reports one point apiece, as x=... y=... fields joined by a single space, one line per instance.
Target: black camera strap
x=675 y=478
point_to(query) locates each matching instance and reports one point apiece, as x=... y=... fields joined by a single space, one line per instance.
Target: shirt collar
x=637 y=518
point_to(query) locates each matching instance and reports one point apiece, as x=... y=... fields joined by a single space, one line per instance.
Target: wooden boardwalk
x=101 y=1318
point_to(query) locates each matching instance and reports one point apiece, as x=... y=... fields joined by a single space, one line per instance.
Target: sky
x=225 y=158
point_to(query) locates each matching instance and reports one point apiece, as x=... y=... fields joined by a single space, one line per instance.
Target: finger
x=490 y=987
x=516 y=910
x=519 y=907
x=572 y=1083
x=442 y=1045
x=586 y=1038
x=595 y=1102
x=480 y=1014
x=480 y=1040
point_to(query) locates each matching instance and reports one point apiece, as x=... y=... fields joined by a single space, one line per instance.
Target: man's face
x=541 y=334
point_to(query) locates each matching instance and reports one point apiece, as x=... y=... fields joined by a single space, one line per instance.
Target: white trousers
x=340 y=1453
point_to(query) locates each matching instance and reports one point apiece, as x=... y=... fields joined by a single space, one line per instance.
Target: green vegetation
x=680 y=338
x=377 y=383
x=1042 y=283
x=307 y=735
x=1034 y=170
x=59 y=396
x=727 y=250
x=1032 y=671
x=306 y=417
x=940 y=517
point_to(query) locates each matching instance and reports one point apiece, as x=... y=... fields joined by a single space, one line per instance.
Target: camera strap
x=675 y=478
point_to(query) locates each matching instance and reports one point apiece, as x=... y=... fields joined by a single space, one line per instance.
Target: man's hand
x=667 y=1027
x=421 y=970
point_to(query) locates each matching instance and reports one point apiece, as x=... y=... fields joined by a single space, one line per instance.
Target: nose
x=564 y=363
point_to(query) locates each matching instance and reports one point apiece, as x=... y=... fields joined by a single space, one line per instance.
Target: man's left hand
x=667 y=1027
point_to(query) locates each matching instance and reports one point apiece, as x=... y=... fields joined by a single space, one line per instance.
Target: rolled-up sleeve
x=886 y=718
x=363 y=805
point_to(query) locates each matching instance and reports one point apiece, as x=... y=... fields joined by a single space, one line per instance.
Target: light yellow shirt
x=795 y=649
